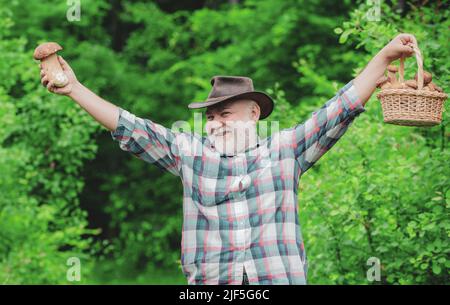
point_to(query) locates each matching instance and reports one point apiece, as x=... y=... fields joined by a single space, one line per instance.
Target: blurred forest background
x=66 y=189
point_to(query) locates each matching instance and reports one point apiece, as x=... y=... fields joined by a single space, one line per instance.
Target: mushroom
x=391 y=74
x=426 y=78
x=46 y=53
x=438 y=89
x=382 y=81
x=428 y=88
x=398 y=86
x=434 y=87
x=411 y=84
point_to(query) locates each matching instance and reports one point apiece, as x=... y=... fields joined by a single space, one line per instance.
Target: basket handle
x=419 y=61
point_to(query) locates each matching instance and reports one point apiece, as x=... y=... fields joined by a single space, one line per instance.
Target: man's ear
x=256 y=111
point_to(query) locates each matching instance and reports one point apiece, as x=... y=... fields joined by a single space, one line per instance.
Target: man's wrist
x=383 y=58
x=77 y=87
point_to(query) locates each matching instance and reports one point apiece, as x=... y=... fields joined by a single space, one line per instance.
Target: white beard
x=240 y=136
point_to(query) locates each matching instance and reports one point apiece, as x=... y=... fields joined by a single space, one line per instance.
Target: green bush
x=45 y=140
x=383 y=191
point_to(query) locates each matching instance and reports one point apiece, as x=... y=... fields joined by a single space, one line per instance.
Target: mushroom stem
x=53 y=69
x=391 y=74
x=392 y=78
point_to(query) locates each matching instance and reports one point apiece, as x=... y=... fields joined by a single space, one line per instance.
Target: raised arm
x=148 y=141
x=365 y=82
x=101 y=110
x=313 y=138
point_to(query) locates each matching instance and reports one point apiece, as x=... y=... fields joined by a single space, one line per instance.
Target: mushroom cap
x=427 y=77
x=428 y=88
x=437 y=88
x=411 y=83
x=46 y=49
x=392 y=68
x=398 y=86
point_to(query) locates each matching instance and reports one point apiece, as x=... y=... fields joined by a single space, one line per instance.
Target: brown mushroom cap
x=428 y=88
x=427 y=77
x=411 y=83
x=392 y=68
x=46 y=49
x=398 y=86
x=434 y=87
x=438 y=89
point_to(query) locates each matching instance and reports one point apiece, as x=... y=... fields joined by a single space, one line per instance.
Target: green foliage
x=45 y=140
x=382 y=191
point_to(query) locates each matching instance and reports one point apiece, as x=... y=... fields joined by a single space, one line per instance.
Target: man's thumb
x=64 y=64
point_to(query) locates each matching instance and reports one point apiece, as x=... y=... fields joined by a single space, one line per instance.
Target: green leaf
x=344 y=36
x=436 y=269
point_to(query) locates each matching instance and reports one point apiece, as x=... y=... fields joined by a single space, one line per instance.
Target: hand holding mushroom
x=56 y=73
x=46 y=53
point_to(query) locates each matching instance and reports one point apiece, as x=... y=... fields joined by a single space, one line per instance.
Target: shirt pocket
x=210 y=191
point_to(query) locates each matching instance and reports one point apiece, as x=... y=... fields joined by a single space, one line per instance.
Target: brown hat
x=227 y=88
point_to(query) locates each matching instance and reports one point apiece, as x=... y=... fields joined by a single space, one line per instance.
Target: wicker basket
x=409 y=107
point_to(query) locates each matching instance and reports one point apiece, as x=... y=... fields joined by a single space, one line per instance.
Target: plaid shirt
x=241 y=211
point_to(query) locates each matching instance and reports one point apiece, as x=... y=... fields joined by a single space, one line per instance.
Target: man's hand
x=366 y=82
x=400 y=46
x=67 y=89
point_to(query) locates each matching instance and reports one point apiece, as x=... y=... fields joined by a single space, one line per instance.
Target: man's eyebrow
x=218 y=109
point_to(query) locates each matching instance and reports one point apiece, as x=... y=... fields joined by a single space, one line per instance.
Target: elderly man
x=240 y=192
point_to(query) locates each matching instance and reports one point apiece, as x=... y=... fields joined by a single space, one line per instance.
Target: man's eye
x=209 y=118
x=225 y=113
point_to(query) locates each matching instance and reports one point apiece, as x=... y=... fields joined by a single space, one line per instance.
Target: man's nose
x=221 y=121
x=217 y=124
x=212 y=125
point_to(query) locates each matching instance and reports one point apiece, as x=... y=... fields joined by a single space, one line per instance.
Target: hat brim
x=264 y=101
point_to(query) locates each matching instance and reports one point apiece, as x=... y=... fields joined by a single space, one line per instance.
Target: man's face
x=231 y=126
